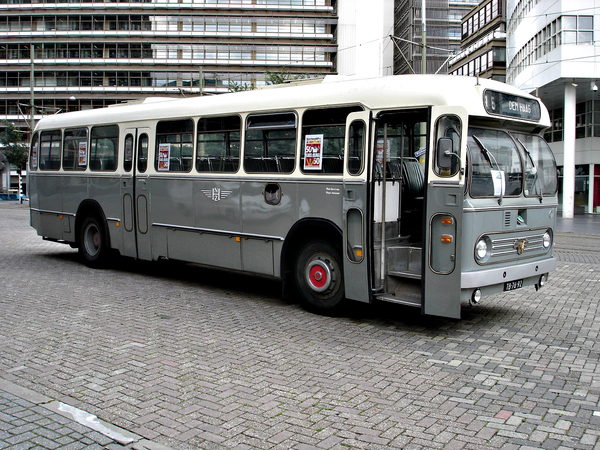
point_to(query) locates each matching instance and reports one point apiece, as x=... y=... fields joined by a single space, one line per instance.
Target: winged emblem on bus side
x=216 y=194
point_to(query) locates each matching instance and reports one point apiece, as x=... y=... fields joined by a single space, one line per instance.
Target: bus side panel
x=50 y=199
x=217 y=205
x=106 y=190
x=322 y=200
x=75 y=190
x=264 y=213
x=204 y=248
x=34 y=201
x=199 y=220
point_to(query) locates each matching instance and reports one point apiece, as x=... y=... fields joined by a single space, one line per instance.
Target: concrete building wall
x=553 y=51
x=364 y=44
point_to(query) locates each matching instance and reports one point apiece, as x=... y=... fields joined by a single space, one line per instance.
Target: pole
x=423 y=39
x=31 y=83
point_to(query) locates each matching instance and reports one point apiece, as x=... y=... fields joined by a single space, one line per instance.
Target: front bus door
x=134 y=188
x=444 y=193
x=356 y=266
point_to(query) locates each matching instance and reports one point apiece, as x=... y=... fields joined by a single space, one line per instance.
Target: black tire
x=319 y=277
x=93 y=244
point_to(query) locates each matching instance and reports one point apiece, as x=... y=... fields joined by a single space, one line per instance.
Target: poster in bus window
x=164 y=156
x=313 y=152
x=379 y=151
x=82 y=153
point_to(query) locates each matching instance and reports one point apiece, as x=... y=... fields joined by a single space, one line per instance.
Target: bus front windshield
x=510 y=164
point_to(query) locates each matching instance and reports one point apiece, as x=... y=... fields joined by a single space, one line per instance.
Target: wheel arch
x=85 y=209
x=297 y=236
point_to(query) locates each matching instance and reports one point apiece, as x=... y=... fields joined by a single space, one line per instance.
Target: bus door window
x=270 y=144
x=142 y=153
x=104 y=148
x=400 y=149
x=218 y=144
x=356 y=147
x=448 y=127
x=128 y=153
x=495 y=164
x=174 y=145
x=50 y=150
x=323 y=134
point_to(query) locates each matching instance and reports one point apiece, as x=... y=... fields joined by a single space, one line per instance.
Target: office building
x=81 y=55
x=553 y=53
x=483 y=43
x=443 y=34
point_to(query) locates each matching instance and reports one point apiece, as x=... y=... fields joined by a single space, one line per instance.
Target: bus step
x=404 y=291
x=407 y=301
x=412 y=275
x=404 y=261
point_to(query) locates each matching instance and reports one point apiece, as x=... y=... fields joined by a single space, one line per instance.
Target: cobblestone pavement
x=188 y=357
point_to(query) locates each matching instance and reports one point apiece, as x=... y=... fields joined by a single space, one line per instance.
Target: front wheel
x=93 y=245
x=318 y=276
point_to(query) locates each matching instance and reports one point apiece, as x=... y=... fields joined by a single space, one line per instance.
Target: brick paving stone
x=192 y=357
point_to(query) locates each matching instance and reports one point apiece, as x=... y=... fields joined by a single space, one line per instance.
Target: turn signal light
x=447 y=221
x=447 y=238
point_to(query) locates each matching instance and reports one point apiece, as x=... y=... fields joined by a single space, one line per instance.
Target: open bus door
x=134 y=194
x=356 y=217
x=444 y=193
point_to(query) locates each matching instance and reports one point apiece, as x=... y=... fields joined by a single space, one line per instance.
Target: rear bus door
x=355 y=201
x=444 y=192
x=134 y=189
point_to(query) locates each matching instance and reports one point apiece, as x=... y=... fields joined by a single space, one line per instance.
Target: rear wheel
x=93 y=246
x=318 y=276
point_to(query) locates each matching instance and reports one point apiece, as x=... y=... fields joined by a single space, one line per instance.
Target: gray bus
x=424 y=190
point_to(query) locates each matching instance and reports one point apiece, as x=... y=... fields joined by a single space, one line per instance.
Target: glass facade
x=76 y=57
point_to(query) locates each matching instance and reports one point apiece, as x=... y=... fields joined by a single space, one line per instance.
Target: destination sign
x=511 y=105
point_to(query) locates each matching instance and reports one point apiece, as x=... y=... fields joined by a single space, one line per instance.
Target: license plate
x=512 y=285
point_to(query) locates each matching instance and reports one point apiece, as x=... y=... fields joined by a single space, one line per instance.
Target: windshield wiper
x=489 y=157
x=533 y=171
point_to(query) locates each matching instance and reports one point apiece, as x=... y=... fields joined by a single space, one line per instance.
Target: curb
x=86 y=419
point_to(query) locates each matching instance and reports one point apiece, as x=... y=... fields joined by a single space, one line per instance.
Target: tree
x=239 y=87
x=14 y=149
x=284 y=76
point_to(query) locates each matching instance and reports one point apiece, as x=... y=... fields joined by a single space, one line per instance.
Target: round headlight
x=481 y=249
x=547 y=240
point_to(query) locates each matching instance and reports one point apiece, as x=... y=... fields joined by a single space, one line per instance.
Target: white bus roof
x=389 y=92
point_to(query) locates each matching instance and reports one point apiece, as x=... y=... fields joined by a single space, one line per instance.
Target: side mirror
x=444 y=153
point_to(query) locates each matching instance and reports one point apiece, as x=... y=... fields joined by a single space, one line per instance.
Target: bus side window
x=270 y=144
x=75 y=149
x=174 y=145
x=142 y=154
x=104 y=148
x=218 y=144
x=35 y=151
x=356 y=147
x=50 y=150
x=324 y=130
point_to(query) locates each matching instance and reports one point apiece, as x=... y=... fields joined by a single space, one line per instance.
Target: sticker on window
x=164 y=157
x=82 y=159
x=499 y=181
x=313 y=152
